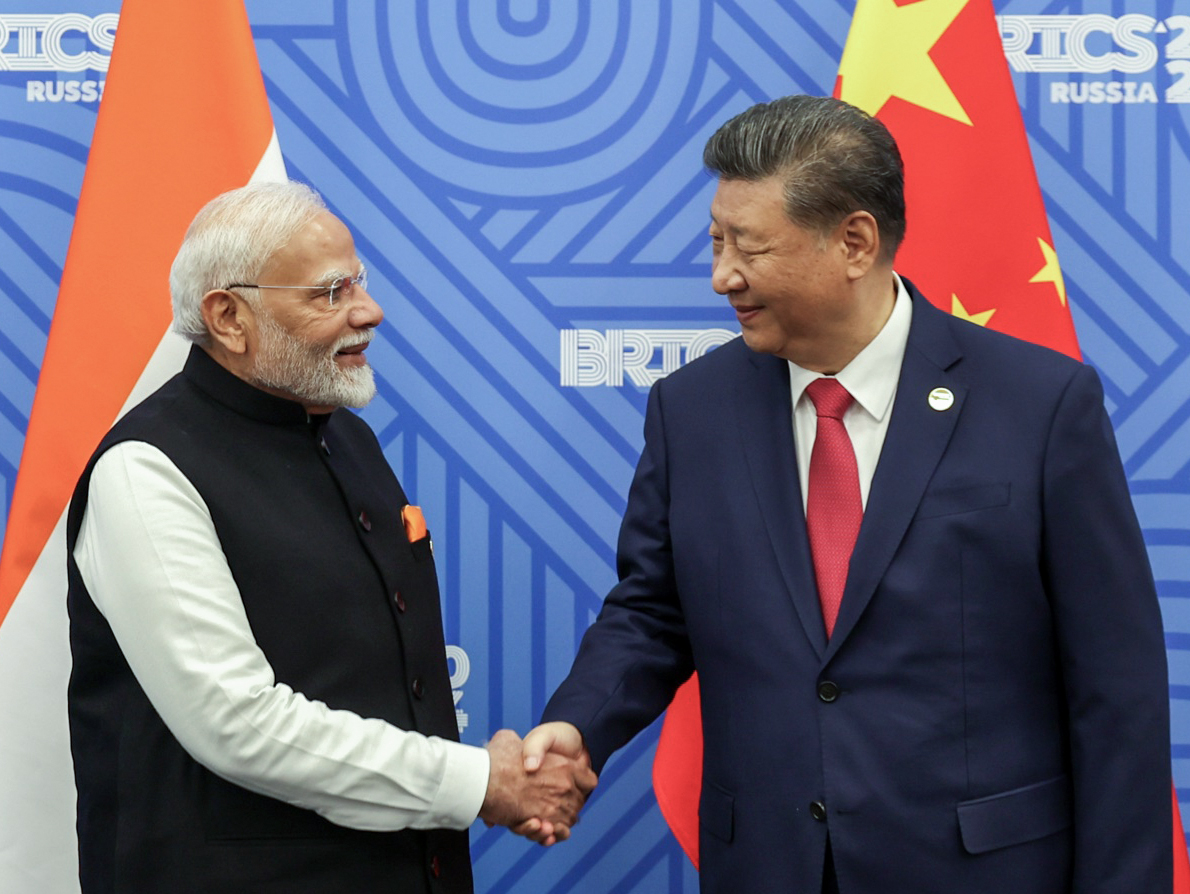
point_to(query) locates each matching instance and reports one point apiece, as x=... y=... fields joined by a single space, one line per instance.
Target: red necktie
x=834 y=509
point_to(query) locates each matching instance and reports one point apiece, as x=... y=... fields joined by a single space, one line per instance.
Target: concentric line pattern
x=41 y=168
x=520 y=167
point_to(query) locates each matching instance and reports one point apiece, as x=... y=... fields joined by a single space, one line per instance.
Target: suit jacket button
x=364 y=521
x=418 y=687
x=818 y=810
x=400 y=600
x=828 y=691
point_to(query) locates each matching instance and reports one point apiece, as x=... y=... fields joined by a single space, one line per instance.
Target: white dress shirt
x=150 y=557
x=871 y=378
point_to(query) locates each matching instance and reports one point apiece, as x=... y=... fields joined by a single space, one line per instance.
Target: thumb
x=536 y=743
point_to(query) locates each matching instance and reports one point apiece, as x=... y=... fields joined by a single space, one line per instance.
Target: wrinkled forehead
x=741 y=205
x=320 y=251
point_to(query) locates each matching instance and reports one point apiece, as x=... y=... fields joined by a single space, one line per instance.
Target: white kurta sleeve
x=150 y=557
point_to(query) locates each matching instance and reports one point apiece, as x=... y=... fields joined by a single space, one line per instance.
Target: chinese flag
x=978 y=242
x=184 y=117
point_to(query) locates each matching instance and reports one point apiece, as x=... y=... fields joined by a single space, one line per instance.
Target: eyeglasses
x=341 y=288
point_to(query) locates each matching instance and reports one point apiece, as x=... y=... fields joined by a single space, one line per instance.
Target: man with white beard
x=260 y=700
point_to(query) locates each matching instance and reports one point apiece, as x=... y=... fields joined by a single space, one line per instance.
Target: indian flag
x=184 y=118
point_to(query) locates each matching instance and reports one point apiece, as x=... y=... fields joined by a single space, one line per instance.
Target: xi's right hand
x=541 y=803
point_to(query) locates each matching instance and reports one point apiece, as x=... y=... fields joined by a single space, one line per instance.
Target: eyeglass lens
x=343 y=288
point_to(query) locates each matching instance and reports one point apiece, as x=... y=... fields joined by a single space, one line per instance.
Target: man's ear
x=860 y=238
x=225 y=314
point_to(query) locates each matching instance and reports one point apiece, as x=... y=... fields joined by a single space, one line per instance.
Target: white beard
x=309 y=372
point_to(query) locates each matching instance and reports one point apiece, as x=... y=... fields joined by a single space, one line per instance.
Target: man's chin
x=358 y=402
x=357 y=387
x=758 y=342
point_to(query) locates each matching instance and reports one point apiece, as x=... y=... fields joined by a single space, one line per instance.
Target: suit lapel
x=764 y=414
x=916 y=440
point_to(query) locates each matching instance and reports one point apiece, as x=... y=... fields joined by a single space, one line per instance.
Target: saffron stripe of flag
x=184 y=117
x=978 y=243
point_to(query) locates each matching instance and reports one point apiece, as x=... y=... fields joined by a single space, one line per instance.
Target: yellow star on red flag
x=1052 y=271
x=957 y=309
x=882 y=30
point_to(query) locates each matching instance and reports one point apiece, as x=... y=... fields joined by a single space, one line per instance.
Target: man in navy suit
x=983 y=706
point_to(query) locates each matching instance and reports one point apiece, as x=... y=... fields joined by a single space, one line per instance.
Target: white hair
x=231 y=240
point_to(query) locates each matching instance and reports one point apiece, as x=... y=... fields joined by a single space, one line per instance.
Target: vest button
x=828 y=691
x=364 y=521
x=818 y=810
x=400 y=600
x=418 y=687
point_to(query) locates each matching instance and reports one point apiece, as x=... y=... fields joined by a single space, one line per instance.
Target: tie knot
x=830 y=398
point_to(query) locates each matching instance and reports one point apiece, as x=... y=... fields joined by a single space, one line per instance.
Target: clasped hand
x=538 y=785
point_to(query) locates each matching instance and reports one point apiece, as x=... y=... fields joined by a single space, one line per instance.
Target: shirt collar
x=871 y=376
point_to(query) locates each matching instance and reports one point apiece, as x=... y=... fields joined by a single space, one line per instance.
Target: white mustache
x=352 y=341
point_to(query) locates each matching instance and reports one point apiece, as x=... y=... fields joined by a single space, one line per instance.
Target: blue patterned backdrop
x=523 y=178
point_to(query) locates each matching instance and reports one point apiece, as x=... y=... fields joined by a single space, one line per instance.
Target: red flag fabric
x=184 y=117
x=978 y=242
x=677 y=767
x=1181 y=860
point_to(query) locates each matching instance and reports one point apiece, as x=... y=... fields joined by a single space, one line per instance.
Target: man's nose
x=365 y=312
x=725 y=275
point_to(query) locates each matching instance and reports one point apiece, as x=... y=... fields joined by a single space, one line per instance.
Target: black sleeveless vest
x=345 y=609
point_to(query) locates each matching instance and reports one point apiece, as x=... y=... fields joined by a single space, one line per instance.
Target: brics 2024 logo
x=459 y=667
x=65 y=42
x=1131 y=44
x=591 y=358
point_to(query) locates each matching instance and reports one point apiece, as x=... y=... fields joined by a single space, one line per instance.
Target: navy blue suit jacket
x=1001 y=717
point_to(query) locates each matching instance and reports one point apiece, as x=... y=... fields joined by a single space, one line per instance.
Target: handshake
x=538 y=784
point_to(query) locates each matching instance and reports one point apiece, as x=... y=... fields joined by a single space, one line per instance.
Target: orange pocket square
x=415 y=523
